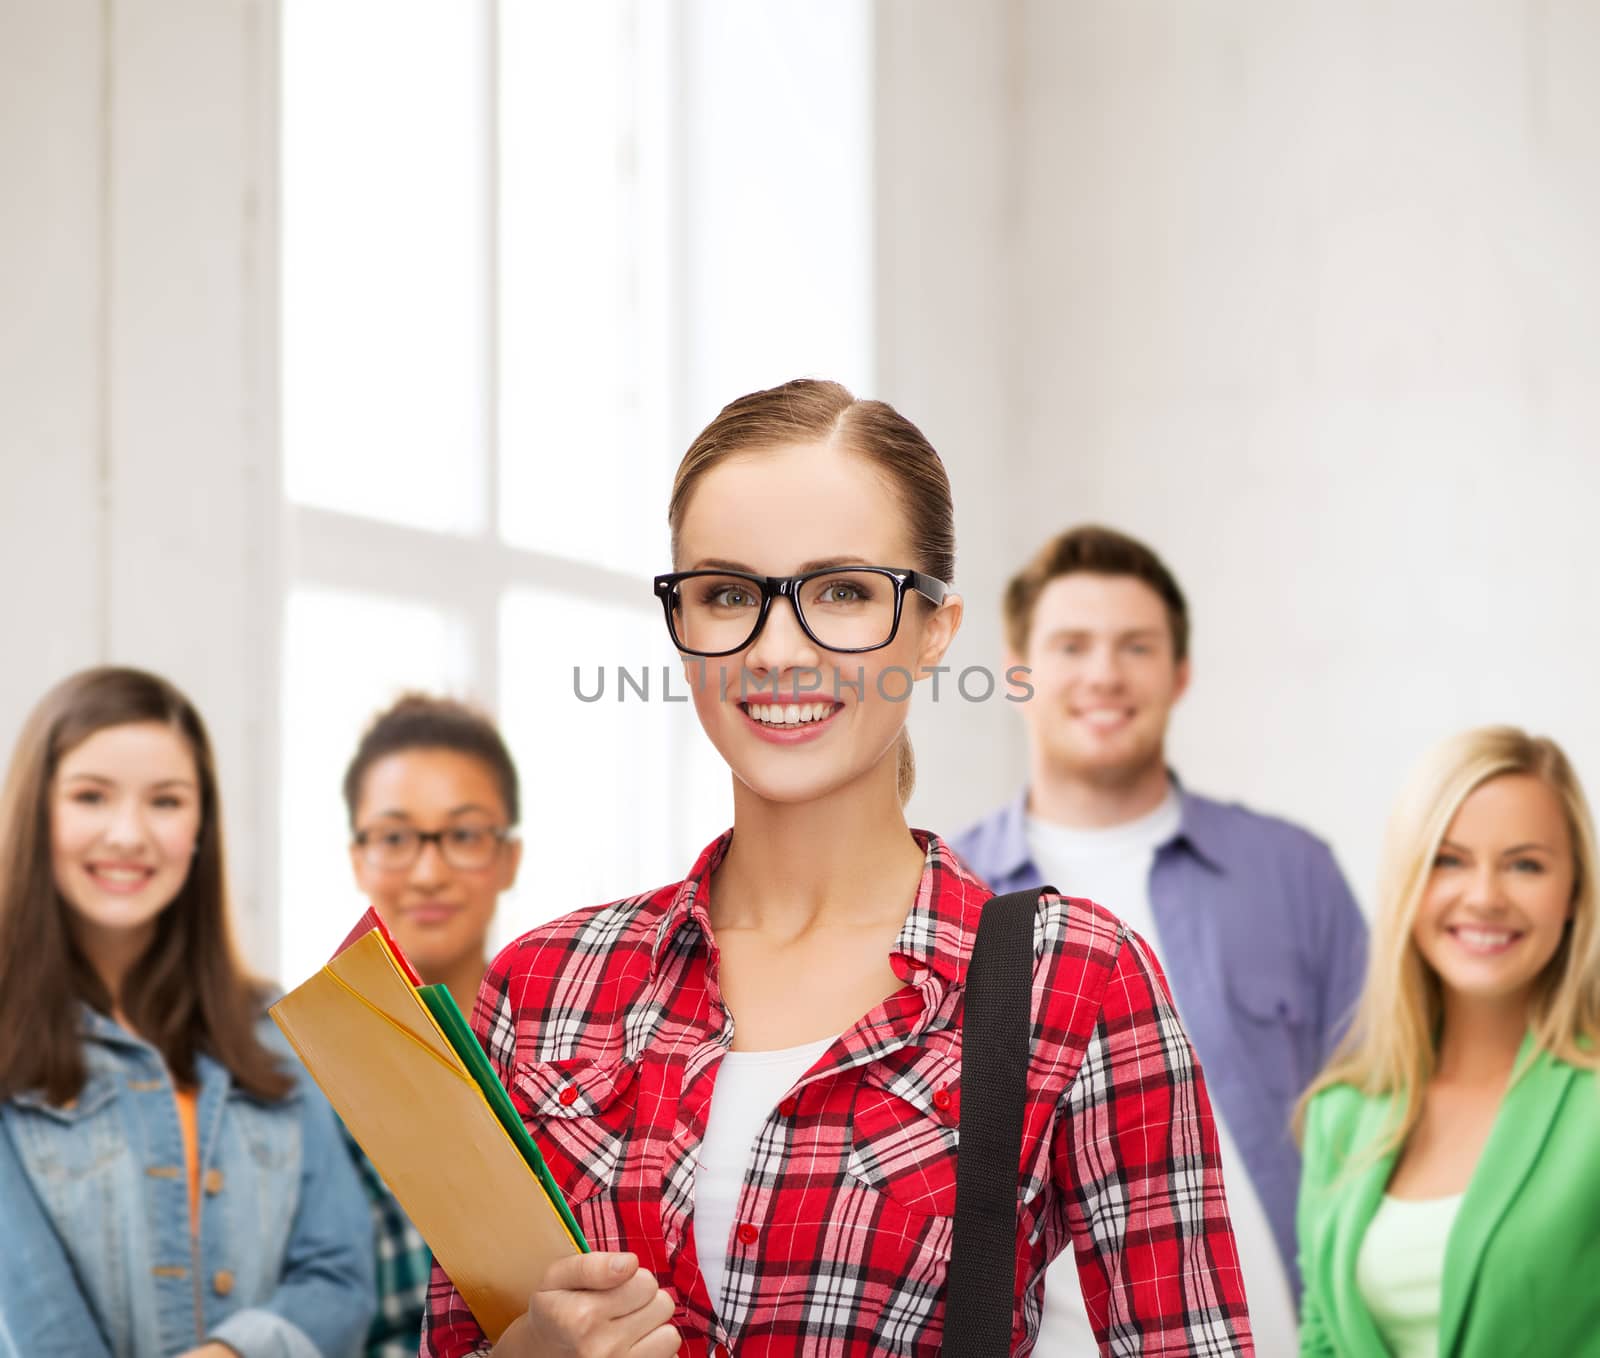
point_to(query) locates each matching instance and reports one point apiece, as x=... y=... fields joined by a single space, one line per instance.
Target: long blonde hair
x=1390 y=1048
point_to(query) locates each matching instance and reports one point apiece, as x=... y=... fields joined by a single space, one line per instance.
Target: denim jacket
x=96 y=1255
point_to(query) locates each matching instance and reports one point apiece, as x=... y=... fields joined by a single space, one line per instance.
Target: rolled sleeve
x=450 y=1330
x=257 y=1333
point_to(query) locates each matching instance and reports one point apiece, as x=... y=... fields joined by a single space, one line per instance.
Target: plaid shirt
x=403 y=1265
x=607 y=1026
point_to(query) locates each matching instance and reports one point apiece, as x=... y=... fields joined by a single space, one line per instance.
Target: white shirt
x=1112 y=867
x=747 y=1089
x=1400 y=1271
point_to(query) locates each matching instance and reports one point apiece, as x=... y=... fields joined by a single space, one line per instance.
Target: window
x=528 y=249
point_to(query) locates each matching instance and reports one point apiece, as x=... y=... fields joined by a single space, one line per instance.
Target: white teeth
x=1483 y=938
x=120 y=874
x=1104 y=717
x=788 y=714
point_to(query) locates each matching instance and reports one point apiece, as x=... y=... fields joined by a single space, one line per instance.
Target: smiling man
x=1261 y=940
x=433 y=803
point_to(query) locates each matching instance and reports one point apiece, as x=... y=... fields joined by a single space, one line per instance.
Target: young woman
x=1451 y=1196
x=748 y=1083
x=169 y=1184
x=432 y=798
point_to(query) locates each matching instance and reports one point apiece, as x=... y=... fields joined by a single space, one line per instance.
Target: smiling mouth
x=1104 y=717
x=789 y=714
x=1484 y=942
x=119 y=878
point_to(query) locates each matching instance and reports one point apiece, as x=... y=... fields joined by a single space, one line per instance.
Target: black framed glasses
x=842 y=608
x=395 y=848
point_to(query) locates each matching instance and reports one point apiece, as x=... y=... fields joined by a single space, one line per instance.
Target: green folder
x=442 y=1005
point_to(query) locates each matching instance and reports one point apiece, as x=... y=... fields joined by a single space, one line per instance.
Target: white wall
x=947 y=348
x=51 y=336
x=138 y=469
x=1305 y=294
x=1308 y=297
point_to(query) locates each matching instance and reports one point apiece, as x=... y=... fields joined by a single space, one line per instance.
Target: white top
x=1112 y=867
x=747 y=1090
x=1400 y=1271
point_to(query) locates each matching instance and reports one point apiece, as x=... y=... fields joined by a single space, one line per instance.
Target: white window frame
x=468 y=575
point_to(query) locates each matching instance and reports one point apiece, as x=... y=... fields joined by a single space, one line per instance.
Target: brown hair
x=809 y=411
x=188 y=994
x=420 y=721
x=1094 y=550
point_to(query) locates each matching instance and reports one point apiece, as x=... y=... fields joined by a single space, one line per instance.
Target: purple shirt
x=1264 y=948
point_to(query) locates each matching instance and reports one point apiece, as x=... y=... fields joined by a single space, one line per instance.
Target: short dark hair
x=420 y=721
x=1094 y=550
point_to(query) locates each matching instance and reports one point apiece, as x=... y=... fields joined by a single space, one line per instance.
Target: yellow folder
x=450 y=1147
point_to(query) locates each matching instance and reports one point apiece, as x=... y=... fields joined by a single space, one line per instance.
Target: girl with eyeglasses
x=170 y=1181
x=748 y=1083
x=432 y=798
x=1450 y=1202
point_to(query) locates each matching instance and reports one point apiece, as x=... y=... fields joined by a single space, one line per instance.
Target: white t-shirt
x=747 y=1089
x=1112 y=867
x=1400 y=1271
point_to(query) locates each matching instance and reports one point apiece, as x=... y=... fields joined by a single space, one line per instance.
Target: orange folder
x=406 y=1074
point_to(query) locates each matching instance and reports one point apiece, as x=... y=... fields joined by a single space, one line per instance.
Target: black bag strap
x=995 y=1045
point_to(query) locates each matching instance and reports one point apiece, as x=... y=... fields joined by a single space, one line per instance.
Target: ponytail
x=906 y=768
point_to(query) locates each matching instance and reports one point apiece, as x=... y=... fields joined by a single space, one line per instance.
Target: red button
x=787 y=1107
x=941 y=1098
x=568 y=1096
x=916 y=964
x=748 y=1234
x=721 y=1351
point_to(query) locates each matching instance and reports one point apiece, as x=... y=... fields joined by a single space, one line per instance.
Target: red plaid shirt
x=607 y=1026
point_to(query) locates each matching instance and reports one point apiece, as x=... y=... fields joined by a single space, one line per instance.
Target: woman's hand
x=211 y=1350
x=594 y=1306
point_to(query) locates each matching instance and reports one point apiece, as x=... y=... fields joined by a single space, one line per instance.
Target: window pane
x=778 y=223
x=385 y=353
x=346 y=655
x=569 y=288
x=607 y=782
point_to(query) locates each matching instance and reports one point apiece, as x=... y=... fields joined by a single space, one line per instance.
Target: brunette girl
x=749 y=1082
x=169 y=1181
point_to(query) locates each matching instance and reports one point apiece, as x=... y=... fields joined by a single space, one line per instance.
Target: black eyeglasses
x=394 y=848
x=843 y=608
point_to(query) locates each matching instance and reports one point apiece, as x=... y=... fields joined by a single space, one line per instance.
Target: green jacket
x=1522 y=1266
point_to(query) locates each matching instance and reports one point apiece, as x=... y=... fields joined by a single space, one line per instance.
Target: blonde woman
x=1451 y=1197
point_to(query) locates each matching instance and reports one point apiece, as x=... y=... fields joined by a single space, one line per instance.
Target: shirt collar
x=937 y=935
x=1197 y=831
x=1010 y=838
x=104 y=1028
x=687 y=907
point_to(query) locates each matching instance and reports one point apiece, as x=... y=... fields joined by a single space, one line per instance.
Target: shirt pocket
x=83 y=1167
x=1275 y=1023
x=270 y=1131
x=67 y=1144
x=259 y=1153
x=580 y=1113
x=904 y=1129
